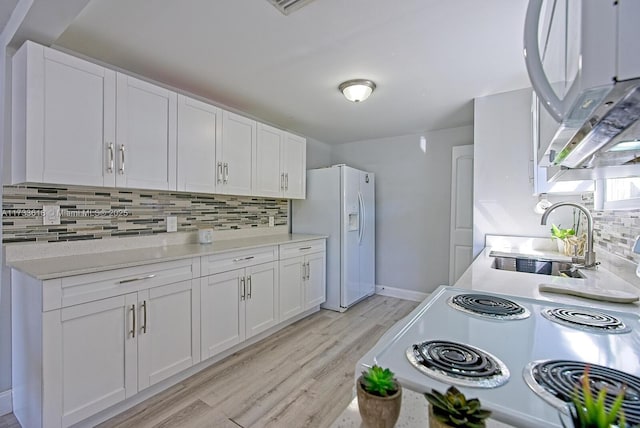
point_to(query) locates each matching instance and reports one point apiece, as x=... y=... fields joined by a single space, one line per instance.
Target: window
x=618 y=193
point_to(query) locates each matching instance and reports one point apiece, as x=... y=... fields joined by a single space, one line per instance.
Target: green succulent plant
x=455 y=410
x=559 y=233
x=379 y=381
x=590 y=412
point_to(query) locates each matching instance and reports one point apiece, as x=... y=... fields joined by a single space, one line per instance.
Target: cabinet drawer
x=84 y=288
x=237 y=259
x=301 y=248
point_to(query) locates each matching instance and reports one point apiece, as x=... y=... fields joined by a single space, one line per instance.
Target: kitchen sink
x=542 y=267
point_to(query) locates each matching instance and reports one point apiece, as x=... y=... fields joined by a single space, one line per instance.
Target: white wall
x=318 y=154
x=503 y=199
x=413 y=186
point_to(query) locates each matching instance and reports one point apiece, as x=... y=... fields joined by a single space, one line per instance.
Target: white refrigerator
x=340 y=203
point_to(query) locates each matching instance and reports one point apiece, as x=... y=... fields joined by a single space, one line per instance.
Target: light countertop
x=68 y=265
x=481 y=276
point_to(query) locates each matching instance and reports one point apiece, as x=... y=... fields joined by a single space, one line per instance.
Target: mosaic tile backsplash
x=616 y=232
x=95 y=213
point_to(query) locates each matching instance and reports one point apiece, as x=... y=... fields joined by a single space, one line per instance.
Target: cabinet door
x=166 y=340
x=237 y=153
x=70 y=118
x=261 y=309
x=268 y=177
x=294 y=161
x=291 y=299
x=198 y=131
x=222 y=314
x=315 y=284
x=146 y=135
x=97 y=354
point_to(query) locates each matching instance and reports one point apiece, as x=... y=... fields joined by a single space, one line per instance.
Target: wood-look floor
x=302 y=376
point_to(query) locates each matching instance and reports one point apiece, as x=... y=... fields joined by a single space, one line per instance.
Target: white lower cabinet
x=100 y=338
x=302 y=277
x=315 y=288
x=110 y=349
x=237 y=305
x=90 y=359
x=291 y=291
x=168 y=334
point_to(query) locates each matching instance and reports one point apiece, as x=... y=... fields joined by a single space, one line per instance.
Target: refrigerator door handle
x=360 y=218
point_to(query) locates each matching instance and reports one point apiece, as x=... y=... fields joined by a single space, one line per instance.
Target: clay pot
x=433 y=422
x=378 y=412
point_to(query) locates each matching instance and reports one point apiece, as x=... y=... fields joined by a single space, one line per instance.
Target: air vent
x=288 y=6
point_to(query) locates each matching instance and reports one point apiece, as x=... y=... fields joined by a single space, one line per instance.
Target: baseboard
x=401 y=293
x=6 y=405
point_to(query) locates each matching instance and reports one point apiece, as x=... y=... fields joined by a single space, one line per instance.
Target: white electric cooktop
x=512 y=343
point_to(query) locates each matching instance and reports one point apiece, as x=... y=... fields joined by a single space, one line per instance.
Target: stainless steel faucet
x=589 y=255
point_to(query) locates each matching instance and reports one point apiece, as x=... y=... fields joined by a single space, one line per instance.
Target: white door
x=97 y=356
x=291 y=294
x=198 y=131
x=78 y=119
x=350 y=261
x=461 y=226
x=268 y=179
x=367 y=263
x=294 y=161
x=222 y=313
x=237 y=153
x=315 y=284
x=261 y=309
x=166 y=345
x=146 y=135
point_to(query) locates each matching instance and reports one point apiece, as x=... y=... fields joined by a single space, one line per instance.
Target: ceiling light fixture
x=357 y=90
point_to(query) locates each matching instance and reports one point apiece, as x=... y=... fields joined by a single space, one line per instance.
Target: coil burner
x=488 y=306
x=586 y=319
x=457 y=363
x=555 y=381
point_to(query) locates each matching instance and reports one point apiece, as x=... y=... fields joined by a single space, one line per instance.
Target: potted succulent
x=453 y=409
x=379 y=397
x=590 y=412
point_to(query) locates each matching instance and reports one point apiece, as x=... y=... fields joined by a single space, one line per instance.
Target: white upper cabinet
x=199 y=129
x=280 y=164
x=146 y=135
x=294 y=165
x=268 y=179
x=76 y=122
x=63 y=116
x=235 y=154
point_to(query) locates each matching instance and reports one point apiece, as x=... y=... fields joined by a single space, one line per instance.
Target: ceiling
x=6 y=8
x=429 y=58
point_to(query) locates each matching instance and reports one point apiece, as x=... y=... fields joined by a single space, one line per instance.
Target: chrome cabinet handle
x=226 y=173
x=308 y=271
x=249 y=287
x=144 y=316
x=239 y=259
x=286 y=181
x=133 y=311
x=111 y=157
x=121 y=159
x=140 y=278
x=219 y=172
x=282 y=181
x=243 y=285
